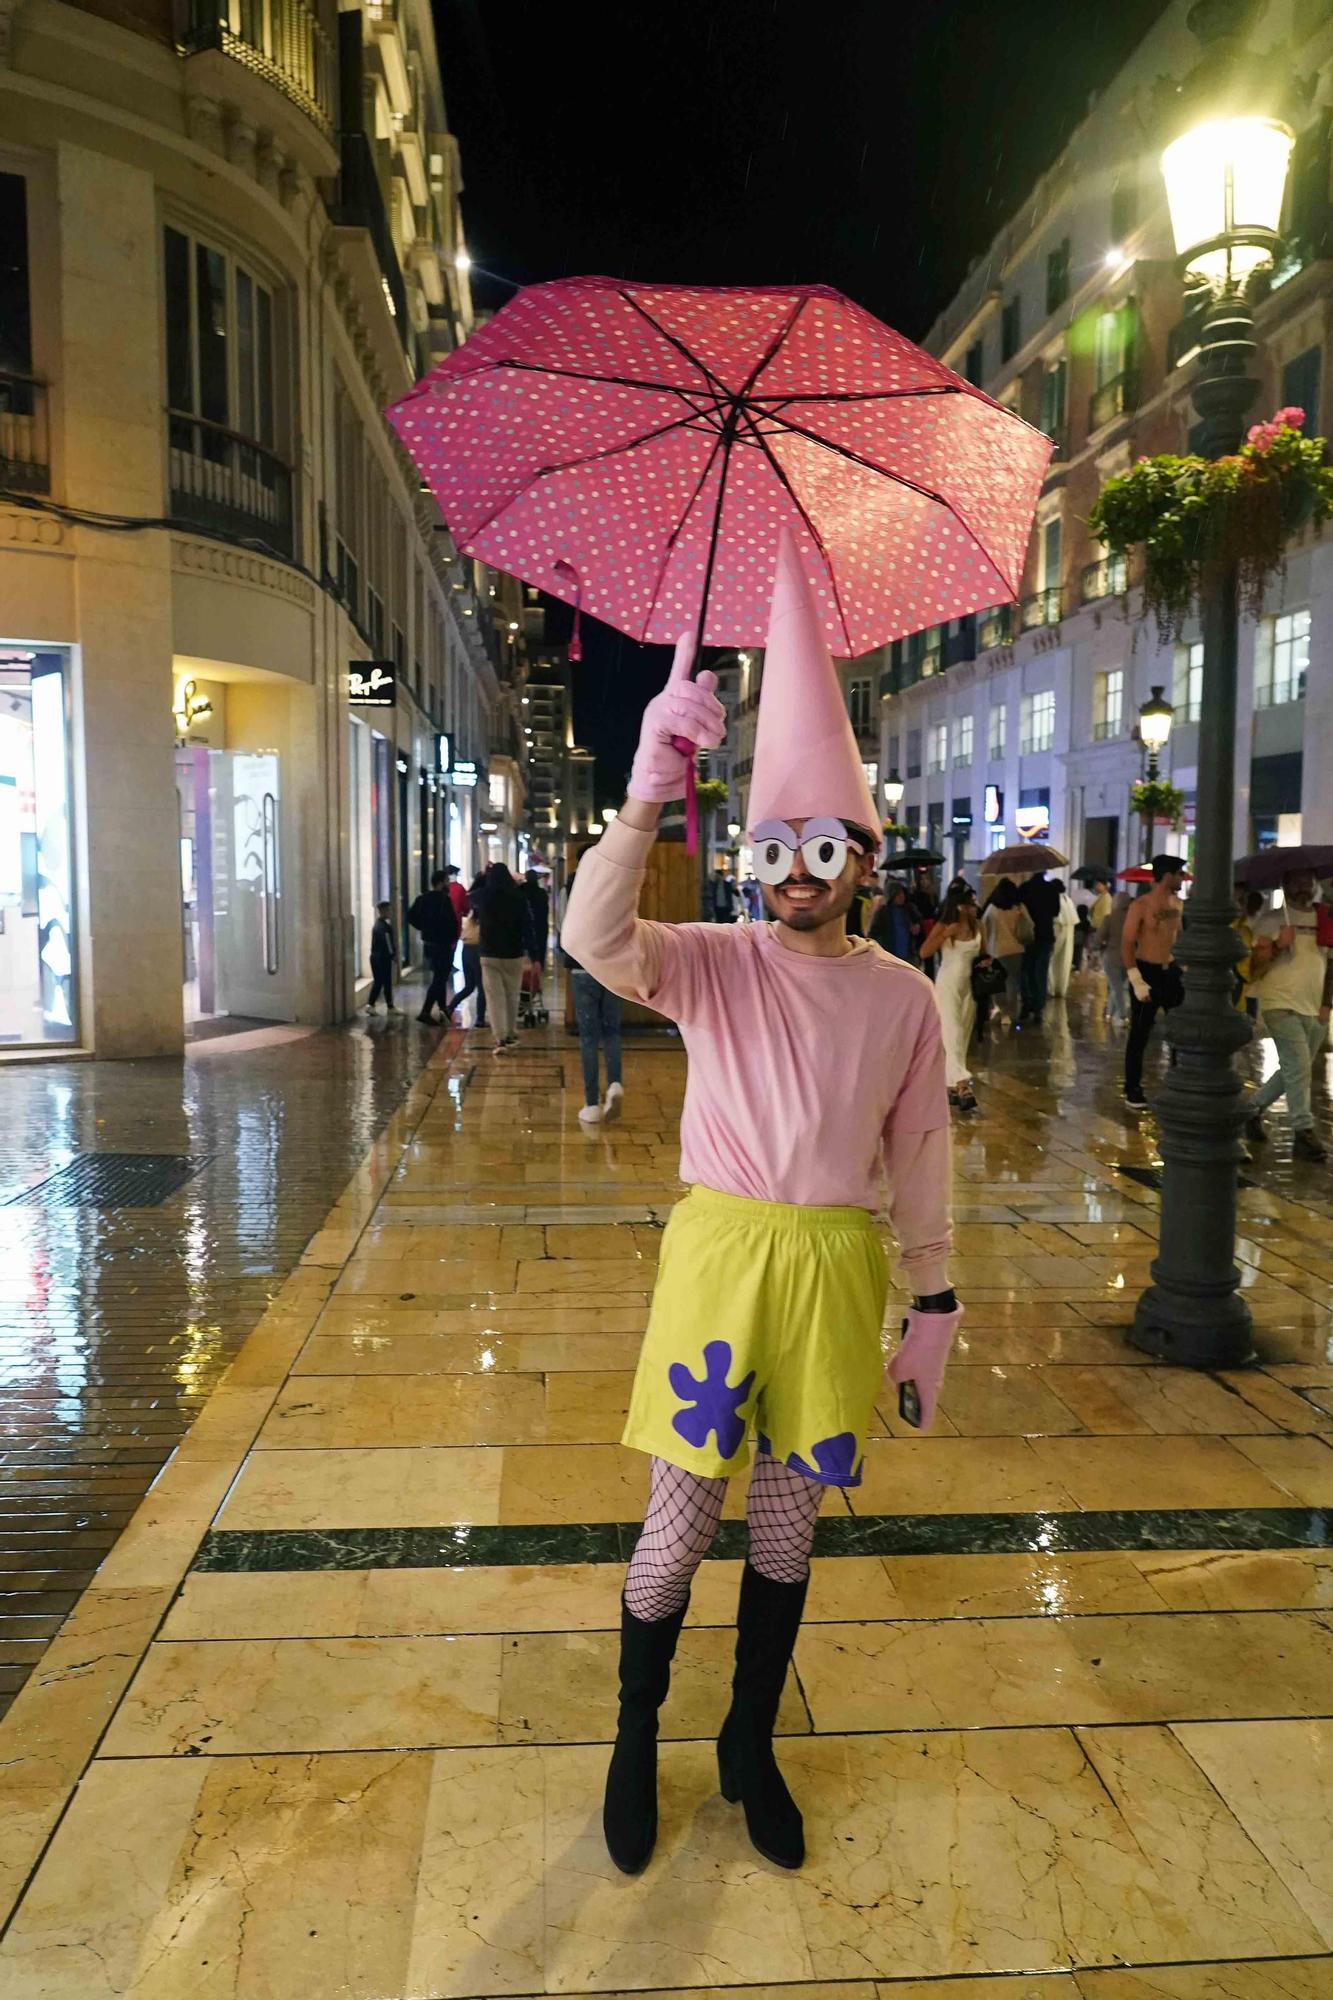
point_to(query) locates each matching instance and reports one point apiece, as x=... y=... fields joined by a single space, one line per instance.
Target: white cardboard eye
x=772 y=861
x=825 y=856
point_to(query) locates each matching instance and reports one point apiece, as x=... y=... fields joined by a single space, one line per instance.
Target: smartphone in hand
x=909 y=1404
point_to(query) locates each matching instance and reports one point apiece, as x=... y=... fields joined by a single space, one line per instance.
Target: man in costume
x=814 y=1060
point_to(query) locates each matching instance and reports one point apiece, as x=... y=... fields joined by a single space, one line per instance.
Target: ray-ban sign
x=371 y=684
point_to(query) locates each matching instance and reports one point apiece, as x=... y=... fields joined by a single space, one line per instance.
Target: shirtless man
x=1147 y=949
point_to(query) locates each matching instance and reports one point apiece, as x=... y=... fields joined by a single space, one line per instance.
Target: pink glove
x=686 y=716
x=923 y=1356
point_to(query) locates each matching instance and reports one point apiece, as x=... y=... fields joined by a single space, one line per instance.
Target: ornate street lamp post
x=1155 y=719
x=1225 y=178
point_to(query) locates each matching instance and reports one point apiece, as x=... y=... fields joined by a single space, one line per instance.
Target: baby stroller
x=532 y=1009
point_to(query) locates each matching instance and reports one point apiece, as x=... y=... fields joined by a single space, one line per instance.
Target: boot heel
x=729 y=1783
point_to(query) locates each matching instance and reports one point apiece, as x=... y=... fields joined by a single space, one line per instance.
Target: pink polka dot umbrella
x=635 y=449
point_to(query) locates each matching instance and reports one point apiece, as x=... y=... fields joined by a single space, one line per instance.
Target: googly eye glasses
x=824 y=845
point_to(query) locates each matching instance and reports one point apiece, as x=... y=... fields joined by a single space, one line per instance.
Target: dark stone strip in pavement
x=231 y=1550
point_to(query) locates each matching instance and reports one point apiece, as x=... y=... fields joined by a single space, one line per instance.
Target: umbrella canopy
x=637 y=449
x=1028 y=857
x=1089 y=875
x=914 y=857
x=1141 y=872
x=1266 y=869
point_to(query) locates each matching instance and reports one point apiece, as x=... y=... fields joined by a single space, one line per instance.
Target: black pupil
x=826 y=850
x=773 y=852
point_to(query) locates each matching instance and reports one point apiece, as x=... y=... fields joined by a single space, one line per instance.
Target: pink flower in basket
x=1260 y=437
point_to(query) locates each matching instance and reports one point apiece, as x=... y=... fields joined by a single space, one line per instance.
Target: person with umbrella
x=1291 y=974
x=771 y=1289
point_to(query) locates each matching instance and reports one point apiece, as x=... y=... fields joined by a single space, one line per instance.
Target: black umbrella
x=1265 y=869
x=914 y=857
x=1089 y=876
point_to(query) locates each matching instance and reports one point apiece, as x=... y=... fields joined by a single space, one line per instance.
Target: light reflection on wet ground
x=114 y=1326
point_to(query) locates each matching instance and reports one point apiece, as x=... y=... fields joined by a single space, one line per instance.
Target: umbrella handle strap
x=686 y=749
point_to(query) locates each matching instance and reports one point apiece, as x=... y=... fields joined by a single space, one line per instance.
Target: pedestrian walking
x=1109 y=934
x=752 y=900
x=772 y=1285
x=895 y=926
x=433 y=915
x=926 y=903
x=471 y=952
x=383 y=958
x=1292 y=977
x=956 y=936
x=1062 y=952
x=1007 y=932
x=1147 y=951
x=1041 y=900
x=597 y=1010
x=505 y=939
x=539 y=913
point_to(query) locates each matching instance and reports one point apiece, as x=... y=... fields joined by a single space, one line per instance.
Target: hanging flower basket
x=1194 y=515
x=1157 y=800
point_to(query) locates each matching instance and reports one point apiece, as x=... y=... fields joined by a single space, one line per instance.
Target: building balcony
x=1042 y=608
x=25 y=453
x=1107 y=578
x=368 y=251
x=1116 y=398
x=995 y=628
x=279 y=41
x=228 y=485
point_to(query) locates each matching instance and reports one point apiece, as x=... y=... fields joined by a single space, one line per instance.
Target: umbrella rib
x=815 y=535
x=587 y=375
x=898 y=479
x=673 y=537
x=861 y=395
x=570 y=465
x=679 y=345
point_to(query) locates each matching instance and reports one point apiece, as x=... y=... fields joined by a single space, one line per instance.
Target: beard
x=831 y=904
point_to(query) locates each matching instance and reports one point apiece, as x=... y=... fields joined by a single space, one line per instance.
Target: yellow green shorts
x=766 y=1316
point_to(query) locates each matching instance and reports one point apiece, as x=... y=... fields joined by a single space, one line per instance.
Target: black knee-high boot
x=766 y=1627
x=629 y=1815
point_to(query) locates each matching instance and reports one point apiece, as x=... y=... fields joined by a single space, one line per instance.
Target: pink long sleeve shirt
x=806 y=1075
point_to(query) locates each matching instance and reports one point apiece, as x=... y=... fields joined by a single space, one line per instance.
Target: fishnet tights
x=683 y=1513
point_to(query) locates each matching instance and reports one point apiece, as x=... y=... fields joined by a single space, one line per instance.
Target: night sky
x=875 y=145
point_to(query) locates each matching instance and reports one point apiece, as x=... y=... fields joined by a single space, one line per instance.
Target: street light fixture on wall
x=893 y=792
x=1225 y=177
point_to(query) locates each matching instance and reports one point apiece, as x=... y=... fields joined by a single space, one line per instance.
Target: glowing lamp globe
x=1155 y=719
x=1224 y=186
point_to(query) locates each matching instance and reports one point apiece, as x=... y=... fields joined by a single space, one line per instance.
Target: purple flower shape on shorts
x=714 y=1407
x=835 y=1458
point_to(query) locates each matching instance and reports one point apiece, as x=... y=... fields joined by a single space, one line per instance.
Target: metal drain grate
x=112 y=1180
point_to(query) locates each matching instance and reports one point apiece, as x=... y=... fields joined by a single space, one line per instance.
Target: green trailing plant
x=1193 y=516
x=711 y=794
x=894 y=829
x=1157 y=800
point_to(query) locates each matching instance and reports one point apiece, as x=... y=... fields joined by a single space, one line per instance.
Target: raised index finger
x=684 y=660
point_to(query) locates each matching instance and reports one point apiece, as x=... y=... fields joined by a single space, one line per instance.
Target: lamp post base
x=1192 y=1329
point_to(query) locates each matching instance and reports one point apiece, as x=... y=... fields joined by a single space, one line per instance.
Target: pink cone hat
x=806 y=761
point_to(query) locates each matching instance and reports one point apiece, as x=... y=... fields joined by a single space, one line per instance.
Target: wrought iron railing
x=1107 y=578
x=1115 y=398
x=280 y=40
x=25 y=453
x=1042 y=608
x=228 y=484
x=360 y=205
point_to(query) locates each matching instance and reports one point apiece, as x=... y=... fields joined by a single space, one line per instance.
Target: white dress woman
x=1062 y=958
x=957 y=940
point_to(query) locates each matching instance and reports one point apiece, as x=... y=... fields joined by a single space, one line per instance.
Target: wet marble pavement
x=333 y=1717
x=116 y=1325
